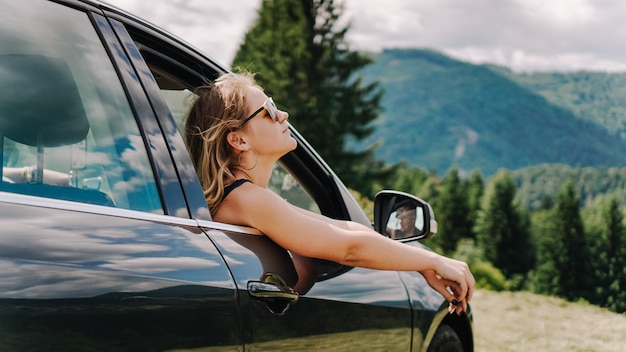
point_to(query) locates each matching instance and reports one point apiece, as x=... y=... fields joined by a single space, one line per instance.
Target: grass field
x=522 y=321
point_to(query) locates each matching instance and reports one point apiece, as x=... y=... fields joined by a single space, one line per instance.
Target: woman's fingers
x=459 y=273
x=458 y=304
x=454 y=302
x=455 y=282
x=460 y=299
x=448 y=289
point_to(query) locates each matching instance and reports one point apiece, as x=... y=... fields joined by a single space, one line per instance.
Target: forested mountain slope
x=597 y=97
x=440 y=112
x=534 y=183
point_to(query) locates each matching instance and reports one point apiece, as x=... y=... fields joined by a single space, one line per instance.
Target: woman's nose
x=283 y=116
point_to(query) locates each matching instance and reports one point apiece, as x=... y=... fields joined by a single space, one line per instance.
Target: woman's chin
x=294 y=144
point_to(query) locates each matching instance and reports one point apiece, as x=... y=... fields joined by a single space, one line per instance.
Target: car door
x=338 y=307
x=98 y=250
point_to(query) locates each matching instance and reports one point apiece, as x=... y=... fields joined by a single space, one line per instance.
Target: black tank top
x=232 y=187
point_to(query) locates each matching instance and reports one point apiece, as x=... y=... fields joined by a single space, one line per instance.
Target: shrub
x=488 y=277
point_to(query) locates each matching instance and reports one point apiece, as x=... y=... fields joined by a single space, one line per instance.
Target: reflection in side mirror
x=403 y=216
x=407 y=221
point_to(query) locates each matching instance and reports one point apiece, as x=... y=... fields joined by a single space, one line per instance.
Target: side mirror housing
x=403 y=216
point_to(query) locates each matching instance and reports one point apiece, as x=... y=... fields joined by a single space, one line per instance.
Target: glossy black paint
x=72 y=279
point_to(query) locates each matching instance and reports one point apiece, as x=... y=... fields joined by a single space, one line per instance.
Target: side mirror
x=403 y=216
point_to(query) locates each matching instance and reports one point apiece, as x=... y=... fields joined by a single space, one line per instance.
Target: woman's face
x=266 y=136
x=407 y=221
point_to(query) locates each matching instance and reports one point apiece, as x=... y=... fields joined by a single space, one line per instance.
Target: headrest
x=39 y=101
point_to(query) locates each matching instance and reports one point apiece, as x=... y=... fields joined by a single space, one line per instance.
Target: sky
x=523 y=35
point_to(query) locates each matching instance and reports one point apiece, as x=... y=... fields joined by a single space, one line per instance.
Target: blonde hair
x=218 y=109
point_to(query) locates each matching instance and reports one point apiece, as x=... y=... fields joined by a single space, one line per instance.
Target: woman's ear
x=236 y=141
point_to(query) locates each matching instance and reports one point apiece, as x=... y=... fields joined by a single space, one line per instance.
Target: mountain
x=440 y=112
x=598 y=97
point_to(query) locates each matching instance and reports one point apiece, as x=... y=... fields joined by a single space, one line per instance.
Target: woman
x=235 y=135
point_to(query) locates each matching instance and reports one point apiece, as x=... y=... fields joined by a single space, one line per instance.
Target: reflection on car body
x=106 y=241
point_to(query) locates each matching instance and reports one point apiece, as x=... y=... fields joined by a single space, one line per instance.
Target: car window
x=291 y=189
x=282 y=181
x=66 y=127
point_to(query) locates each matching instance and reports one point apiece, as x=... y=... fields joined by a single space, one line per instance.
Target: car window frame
x=161 y=161
x=179 y=162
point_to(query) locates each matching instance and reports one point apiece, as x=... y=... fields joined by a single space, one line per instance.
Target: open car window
x=282 y=181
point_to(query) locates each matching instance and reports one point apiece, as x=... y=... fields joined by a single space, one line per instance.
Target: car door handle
x=272 y=288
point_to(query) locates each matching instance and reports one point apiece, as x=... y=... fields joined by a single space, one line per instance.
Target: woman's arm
x=344 y=224
x=343 y=242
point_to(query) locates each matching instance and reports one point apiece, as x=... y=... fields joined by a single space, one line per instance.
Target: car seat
x=40 y=106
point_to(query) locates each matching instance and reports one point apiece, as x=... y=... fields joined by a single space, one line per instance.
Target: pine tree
x=502 y=228
x=610 y=259
x=546 y=203
x=452 y=213
x=475 y=190
x=563 y=253
x=409 y=179
x=546 y=275
x=430 y=190
x=299 y=52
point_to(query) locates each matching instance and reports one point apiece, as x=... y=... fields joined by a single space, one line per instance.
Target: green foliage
x=365 y=203
x=468 y=251
x=563 y=257
x=409 y=179
x=502 y=228
x=298 y=49
x=475 y=191
x=597 y=97
x=452 y=212
x=439 y=112
x=537 y=182
x=489 y=277
x=607 y=237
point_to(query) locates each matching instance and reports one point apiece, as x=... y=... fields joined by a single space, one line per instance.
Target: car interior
x=57 y=119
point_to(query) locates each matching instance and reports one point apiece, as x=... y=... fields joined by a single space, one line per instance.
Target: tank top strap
x=232 y=186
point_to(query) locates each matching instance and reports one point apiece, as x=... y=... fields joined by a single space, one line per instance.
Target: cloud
x=152 y=265
x=214 y=27
x=525 y=35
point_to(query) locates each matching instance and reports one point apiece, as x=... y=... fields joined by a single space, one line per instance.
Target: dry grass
x=522 y=321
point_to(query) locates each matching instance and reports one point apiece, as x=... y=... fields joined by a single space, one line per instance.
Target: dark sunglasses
x=271 y=110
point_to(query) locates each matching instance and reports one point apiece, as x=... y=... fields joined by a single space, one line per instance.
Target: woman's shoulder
x=245 y=202
x=248 y=194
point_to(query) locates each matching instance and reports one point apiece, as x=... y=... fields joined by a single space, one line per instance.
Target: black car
x=106 y=241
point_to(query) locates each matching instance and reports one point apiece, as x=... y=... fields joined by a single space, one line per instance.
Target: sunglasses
x=271 y=108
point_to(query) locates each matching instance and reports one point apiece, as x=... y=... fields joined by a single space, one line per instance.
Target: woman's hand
x=454 y=281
